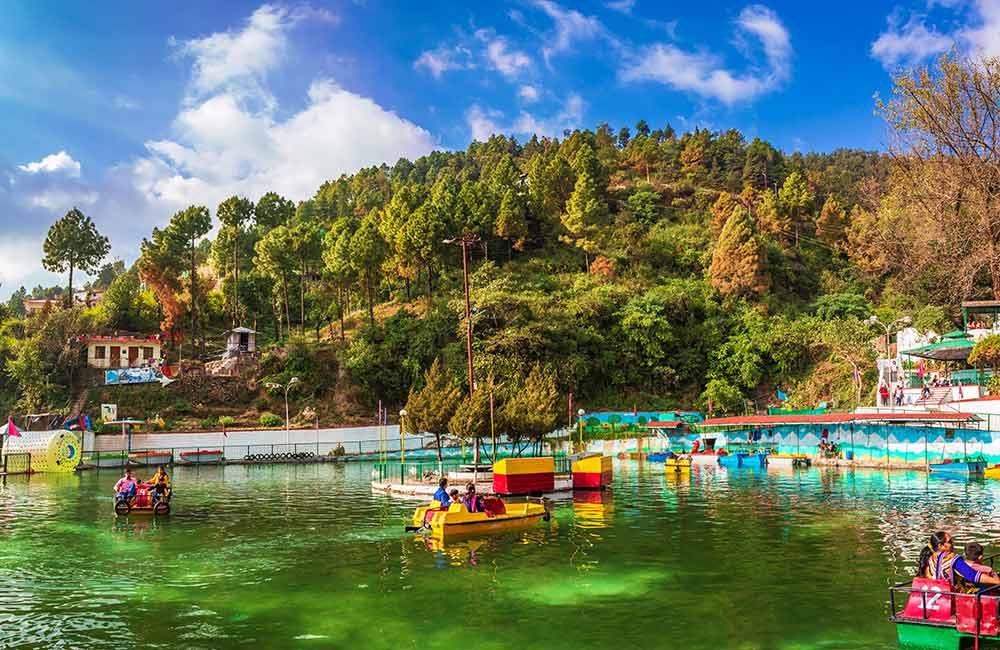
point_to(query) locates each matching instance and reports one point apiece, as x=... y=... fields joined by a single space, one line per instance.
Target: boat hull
x=109 y=461
x=201 y=458
x=704 y=459
x=788 y=461
x=992 y=472
x=964 y=468
x=163 y=458
x=458 y=521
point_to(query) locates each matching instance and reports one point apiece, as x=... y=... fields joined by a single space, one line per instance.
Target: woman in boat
x=472 y=501
x=159 y=484
x=938 y=561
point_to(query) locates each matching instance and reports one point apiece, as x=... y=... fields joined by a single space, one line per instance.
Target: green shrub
x=270 y=420
x=226 y=421
x=209 y=423
x=182 y=407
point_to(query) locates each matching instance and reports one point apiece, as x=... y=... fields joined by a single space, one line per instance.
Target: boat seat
x=494 y=506
x=968 y=612
x=142 y=497
x=940 y=606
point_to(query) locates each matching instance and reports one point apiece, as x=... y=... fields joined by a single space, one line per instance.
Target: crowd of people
x=158 y=486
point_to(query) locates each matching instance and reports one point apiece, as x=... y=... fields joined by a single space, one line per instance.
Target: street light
x=581 y=413
x=873 y=320
x=285 y=387
x=402 y=445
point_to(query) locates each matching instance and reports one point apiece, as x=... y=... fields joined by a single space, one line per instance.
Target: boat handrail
x=907 y=588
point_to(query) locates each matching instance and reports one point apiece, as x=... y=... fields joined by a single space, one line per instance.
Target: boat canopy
x=949 y=349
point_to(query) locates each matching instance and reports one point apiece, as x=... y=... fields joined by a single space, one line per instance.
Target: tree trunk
x=194 y=300
x=236 y=277
x=586 y=261
x=70 y=283
x=368 y=291
x=340 y=294
x=406 y=280
x=288 y=314
x=486 y=251
x=429 y=287
x=510 y=251
x=302 y=302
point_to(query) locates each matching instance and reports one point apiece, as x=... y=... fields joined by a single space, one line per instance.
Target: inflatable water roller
x=51 y=451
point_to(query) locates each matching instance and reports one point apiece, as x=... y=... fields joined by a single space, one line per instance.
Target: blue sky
x=132 y=111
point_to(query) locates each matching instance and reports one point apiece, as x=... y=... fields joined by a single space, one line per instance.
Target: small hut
x=240 y=341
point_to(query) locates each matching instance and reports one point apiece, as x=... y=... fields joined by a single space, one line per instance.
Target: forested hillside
x=627 y=265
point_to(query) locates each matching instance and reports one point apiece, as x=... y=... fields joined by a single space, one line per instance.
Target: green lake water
x=307 y=557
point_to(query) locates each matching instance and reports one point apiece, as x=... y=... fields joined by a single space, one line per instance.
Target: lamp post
x=291 y=382
x=581 y=413
x=402 y=445
x=891 y=327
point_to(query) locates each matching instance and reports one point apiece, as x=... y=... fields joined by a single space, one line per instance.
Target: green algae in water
x=307 y=556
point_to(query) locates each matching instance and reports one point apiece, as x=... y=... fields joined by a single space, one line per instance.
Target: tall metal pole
x=468 y=318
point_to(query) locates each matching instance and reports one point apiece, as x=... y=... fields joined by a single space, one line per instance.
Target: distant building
x=81 y=298
x=123 y=351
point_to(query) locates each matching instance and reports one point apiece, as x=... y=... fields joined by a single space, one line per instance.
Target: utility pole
x=465 y=241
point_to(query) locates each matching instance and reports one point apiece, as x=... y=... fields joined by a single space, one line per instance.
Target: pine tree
x=431 y=408
x=795 y=199
x=74 y=244
x=510 y=223
x=739 y=265
x=585 y=209
x=831 y=222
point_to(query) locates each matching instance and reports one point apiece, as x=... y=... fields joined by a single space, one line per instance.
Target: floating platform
x=786 y=461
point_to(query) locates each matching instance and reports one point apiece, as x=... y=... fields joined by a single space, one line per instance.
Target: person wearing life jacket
x=938 y=561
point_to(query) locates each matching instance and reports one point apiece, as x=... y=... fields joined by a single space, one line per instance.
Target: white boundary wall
x=261 y=437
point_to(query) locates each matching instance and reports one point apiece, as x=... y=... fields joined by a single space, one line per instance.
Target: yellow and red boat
x=456 y=520
x=993 y=471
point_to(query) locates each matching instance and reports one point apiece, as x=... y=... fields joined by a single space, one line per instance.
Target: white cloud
x=442 y=59
x=528 y=94
x=20 y=265
x=482 y=123
x=909 y=43
x=56 y=163
x=570 y=27
x=621 y=6
x=704 y=73
x=913 y=41
x=126 y=103
x=509 y=62
x=485 y=123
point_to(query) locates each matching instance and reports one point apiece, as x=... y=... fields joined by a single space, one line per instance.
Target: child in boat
x=125 y=487
x=974 y=558
x=472 y=501
x=159 y=484
x=455 y=498
x=441 y=496
x=938 y=561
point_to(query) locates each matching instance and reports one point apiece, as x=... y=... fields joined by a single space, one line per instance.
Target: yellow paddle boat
x=677 y=465
x=457 y=520
x=993 y=471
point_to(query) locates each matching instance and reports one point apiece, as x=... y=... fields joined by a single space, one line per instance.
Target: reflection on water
x=307 y=556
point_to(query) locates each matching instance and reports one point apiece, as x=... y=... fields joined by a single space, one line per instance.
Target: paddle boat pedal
x=456 y=520
x=935 y=618
x=143 y=503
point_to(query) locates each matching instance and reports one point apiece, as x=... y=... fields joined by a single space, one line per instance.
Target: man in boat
x=441 y=496
x=938 y=561
x=472 y=501
x=125 y=487
x=159 y=484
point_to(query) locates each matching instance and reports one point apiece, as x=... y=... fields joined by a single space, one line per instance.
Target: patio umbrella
x=957 y=349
